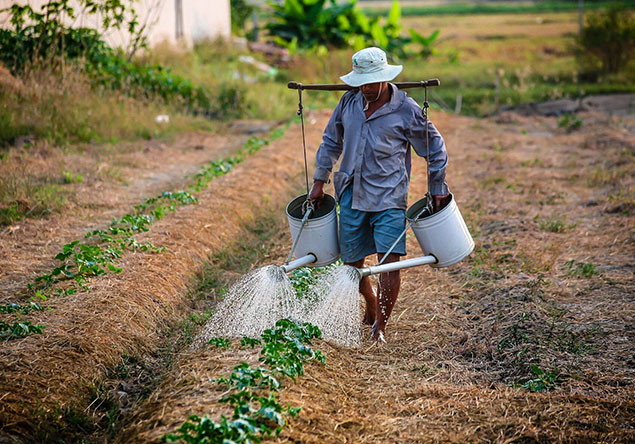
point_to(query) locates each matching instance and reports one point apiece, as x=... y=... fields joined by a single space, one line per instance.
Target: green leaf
x=114 y=269
x=394 y=15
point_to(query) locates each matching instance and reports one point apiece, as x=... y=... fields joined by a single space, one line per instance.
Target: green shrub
x=42 y=39
x=607 y=41
x=310 y=24
x=34 y=37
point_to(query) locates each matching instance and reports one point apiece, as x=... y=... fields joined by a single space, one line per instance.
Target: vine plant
x=100 y=250
x=251 y=390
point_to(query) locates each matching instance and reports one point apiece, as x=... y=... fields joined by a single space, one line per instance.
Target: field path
x=469 y=346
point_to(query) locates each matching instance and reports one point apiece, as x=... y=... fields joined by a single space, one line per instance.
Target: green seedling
x=79 y=261
x=244 y=376
x=582 y=269
x=255 y=416
x=249 y=342
x=570 y=122
x=543 y=380
x=220 y=342
x=22 y=309
x=19 y=329
x=68 y=177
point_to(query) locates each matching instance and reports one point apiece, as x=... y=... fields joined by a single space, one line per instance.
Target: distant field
x=414 y=8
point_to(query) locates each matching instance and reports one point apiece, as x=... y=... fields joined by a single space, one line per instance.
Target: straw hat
x=370 y=66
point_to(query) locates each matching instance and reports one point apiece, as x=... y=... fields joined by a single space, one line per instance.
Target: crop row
x=250 y=391
x=101 y=250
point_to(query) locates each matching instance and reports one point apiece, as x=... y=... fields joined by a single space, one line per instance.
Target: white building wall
x=202 y=19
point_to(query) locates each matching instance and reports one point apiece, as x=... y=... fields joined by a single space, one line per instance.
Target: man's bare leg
x=366 y=289
x=388 y=291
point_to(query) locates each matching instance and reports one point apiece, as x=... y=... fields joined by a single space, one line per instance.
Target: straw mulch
x=463 y=341
x=46 y=380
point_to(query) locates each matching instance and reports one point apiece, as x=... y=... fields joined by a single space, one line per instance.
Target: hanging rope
x=426 y=105
x=307 y=205
x=306 y=166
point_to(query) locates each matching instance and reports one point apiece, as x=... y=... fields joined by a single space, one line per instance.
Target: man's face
x=371 y=90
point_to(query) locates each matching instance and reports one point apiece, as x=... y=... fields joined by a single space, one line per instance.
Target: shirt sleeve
x=438 y=159
x=331 y=146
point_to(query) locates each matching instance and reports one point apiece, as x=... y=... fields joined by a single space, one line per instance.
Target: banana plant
x=426 y=43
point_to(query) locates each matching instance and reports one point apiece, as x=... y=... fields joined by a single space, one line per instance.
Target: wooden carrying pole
x=344 y=87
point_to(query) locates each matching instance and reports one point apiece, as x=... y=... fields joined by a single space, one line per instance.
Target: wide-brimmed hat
x=370 y=66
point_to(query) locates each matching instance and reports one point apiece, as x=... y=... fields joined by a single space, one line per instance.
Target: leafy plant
x=19 y=308
x=426 y=43
x=543 y=381
x=311 y=24
x=244 y=376
x=255 y=415
x=249 y=342
x=304 y=278
x=570 y=122
x=19 y=329
x=219 y=342
x=241 y=10
x=44 y=38
x=583 y=269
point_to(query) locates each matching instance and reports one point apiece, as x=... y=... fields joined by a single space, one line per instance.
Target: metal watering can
x=314 y=233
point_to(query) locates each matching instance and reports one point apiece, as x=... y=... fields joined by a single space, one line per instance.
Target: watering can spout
x=300 y=262
x=394 y=266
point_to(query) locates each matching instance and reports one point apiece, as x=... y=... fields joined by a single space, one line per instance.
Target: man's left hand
x=438 y=202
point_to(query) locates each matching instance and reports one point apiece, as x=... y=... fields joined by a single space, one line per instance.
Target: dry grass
x=42 y=113
x=60 y=105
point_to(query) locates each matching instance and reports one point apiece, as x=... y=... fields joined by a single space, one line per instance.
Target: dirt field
x=545 y=301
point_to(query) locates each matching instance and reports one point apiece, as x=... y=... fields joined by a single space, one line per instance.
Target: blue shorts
x=363 y=233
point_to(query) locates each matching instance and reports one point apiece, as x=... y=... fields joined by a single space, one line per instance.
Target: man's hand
x=438 y=202
x=317 y=193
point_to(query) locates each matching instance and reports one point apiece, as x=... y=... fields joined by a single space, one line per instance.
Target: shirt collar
x=396 y=99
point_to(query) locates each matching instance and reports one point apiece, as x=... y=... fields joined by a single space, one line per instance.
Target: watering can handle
x=416 y=218
x=304 y=219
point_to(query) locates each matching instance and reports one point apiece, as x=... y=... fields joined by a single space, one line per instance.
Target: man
x=372 y=128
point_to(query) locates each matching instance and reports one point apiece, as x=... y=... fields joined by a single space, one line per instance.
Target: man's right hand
x=317 y=193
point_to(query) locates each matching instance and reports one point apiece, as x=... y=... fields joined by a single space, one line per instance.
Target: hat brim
x=385 y=75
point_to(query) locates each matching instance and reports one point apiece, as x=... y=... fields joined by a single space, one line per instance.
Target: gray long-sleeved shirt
x=376 y=151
